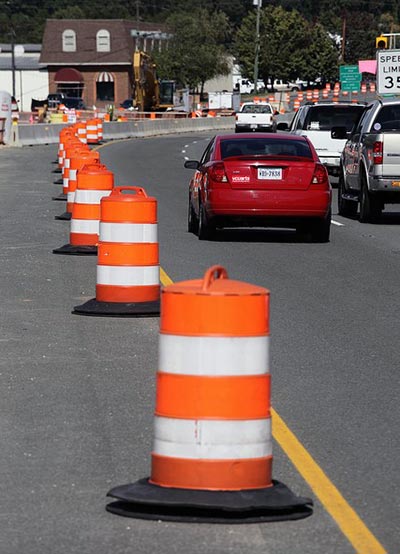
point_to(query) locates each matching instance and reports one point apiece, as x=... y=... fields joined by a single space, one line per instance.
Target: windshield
x=323 y=118
x=265 y=147
x=257 y=108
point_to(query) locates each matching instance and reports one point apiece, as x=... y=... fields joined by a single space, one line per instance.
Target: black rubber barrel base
x=58 y=170
x=72 y=249
x=59 y=182
x=143 y=500
x=60 y=197
x=65 y=216
x=118 y=309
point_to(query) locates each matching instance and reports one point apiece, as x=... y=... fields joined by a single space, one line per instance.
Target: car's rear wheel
x=205 y=230
x=193 y=222
x=347 y=208
x=370 y=210
x=320 y=230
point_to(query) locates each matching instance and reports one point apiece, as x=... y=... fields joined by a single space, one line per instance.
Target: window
x=69 y=41
x=103 y=41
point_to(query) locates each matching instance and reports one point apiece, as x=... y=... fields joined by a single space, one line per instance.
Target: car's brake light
x=217 y=173
x=378 y=152
x=320 y=176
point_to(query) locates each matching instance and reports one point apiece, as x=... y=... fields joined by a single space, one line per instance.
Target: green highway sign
x=350 y=78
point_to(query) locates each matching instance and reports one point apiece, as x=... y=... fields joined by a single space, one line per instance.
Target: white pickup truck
x=370 y=161
x=255 y=116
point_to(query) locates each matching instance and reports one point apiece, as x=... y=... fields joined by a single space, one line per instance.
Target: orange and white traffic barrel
x=296 y=104
x=128 y=271
x=99 y=129
x=79 y=158
x=81 y=132
x=71 y=146
x=92 y=136
x=212 y=447
x=94 y=182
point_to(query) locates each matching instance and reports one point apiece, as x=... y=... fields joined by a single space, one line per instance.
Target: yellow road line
x=348 y=521
x=351 y=525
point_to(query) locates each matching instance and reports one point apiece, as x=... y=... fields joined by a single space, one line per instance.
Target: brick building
x=92 y=58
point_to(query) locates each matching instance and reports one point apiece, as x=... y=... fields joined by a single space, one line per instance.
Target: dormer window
x=103 y=41
x=69 y=41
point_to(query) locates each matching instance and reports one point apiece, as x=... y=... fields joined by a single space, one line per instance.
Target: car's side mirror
x=191 y=164
x=339 y=133
x=282 y=126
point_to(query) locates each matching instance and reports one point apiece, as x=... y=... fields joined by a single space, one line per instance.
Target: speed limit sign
x=388 y=72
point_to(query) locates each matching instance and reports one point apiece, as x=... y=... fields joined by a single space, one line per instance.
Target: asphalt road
x=77 y=393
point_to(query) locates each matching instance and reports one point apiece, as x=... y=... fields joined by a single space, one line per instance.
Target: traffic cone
x=128 y=272
x=94 y=182
x=212 y=447
x=79 y=158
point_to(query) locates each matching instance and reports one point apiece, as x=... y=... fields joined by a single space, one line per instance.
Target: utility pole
x=13 y=59
x=257 y=3
x=343 y=37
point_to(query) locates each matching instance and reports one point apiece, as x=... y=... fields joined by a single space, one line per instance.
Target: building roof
x=28 y=48
x=121 y=41
x=20 y=62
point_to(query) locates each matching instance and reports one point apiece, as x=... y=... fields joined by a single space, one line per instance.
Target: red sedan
x=263 y=180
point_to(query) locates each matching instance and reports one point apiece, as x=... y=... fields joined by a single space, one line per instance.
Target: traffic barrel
x=81 y=131
x=79 y=158
x=92 y=136
x=74 y=146
x=94 y=182
x=63 y=137
x=128 y=271
x=99 y=129
x=212 y=445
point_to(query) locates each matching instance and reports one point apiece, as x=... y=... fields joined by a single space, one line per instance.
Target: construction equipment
x=150 y=94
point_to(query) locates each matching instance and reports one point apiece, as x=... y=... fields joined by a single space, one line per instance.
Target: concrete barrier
x=45 y=133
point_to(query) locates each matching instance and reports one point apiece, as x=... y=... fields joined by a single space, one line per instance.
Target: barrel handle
x=138 y=190
x=213 y=273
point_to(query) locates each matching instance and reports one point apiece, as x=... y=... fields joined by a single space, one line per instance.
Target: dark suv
x=316 y=121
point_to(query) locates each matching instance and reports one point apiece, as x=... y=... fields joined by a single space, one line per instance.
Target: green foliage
x=290 y=47
x=195 y=53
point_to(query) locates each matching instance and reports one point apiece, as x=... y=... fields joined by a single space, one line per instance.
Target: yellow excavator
x=150 y=94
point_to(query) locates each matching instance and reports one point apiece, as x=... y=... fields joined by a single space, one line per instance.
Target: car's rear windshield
x=264 y=147
x=257 y=108
x=323 y=118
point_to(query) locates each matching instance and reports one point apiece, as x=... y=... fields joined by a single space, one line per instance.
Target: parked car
x=127 y=104
x=280 y=85
x=315 y=121
x=73 y=103
x=265 y=179
x=245 y=86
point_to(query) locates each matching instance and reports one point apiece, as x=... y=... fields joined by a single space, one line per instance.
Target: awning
x=68 y=75
x=105 y=77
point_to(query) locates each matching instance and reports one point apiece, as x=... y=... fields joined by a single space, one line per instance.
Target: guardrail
x=48 y=133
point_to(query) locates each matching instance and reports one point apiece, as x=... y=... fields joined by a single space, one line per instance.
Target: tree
x=195 y=52
x=290 y=46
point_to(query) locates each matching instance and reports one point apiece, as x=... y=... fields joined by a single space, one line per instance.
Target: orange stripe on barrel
x=86 y=211
x=234 y=474
x=118 y=293
x=127 y=254
x=195 y=397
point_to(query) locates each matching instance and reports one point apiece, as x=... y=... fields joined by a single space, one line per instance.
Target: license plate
x=273 y=173
x=253 y=126
x=395 y=183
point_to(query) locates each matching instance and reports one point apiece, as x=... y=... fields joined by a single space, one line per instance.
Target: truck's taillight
x=236 y=117
x=217 y=173
x=320 y=176
x=378 y=152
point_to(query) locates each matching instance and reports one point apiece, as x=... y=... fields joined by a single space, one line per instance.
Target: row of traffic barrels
x=212 y=444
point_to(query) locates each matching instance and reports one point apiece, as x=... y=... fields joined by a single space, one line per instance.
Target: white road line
x=337 y=223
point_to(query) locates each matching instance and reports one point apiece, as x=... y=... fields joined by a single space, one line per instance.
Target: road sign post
x=388 y=71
